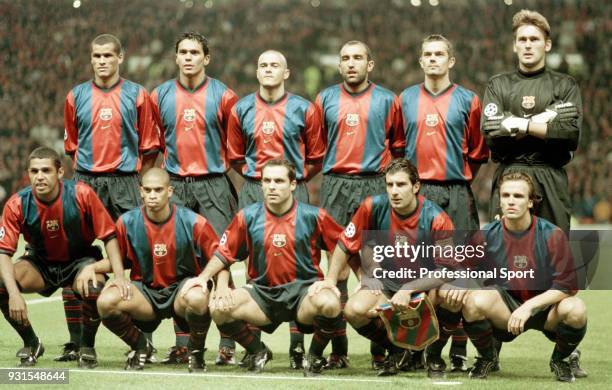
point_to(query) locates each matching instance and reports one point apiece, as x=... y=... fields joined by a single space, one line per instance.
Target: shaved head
x=156 y=174
x=270 y=53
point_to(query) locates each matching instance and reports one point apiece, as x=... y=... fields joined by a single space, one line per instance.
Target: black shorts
x=212 y=196
x=119 y=193
x=341 y=195
x=456 y=199
x=161 y=300
x=59 y=275
x=281 y=303
x=251 y=192
x=536 y=321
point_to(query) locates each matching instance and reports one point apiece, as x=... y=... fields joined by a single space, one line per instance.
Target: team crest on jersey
x=2 y=232
x=106 y=114
x=400 y=239
x=520 y=261
x=490 y=110
x=52 y=225
x=189 y=114
x=160 y=250
x=352 y=119
x=279 y=240
x=268 y=127
x=409 y=319
x=528 y=102
x=431 y=120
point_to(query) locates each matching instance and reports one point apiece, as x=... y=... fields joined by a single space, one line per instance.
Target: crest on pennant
x=267 y=127
x=528 y=102
x=352 y=119
x=520 y=261
x=431 y=120
x=106 y=114
x=279 y=240
x=409 y=319
x=400 y=239
x=52 y=225
x=189 y=114
x=160 y=250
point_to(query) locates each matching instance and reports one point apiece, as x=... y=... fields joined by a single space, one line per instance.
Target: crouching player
x=59 y=220
x=283 y=239
x=164 y=245
x=407 y=217
x=521 y=241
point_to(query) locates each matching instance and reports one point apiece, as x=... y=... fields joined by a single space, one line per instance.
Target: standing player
x=532 y=120
x=192 y=113
x=283 y=239
x=272 y=124
x=363 y=131
x=521 y=241
x=59 y=220
x=443 y=140
x=408 y=217
x=110 y=136
x=165 y=245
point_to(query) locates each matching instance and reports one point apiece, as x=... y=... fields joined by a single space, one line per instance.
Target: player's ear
x=548 y=45
x=286 y=74
x=60 y=172
x=206 y=59
x=416 y=187
x=370 y=65
x=530 y=204
x=293 y=185
x=451 y=62
x=120 y=57
x=170 y=191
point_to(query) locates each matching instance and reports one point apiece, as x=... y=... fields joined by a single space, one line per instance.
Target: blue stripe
x=212 y=134
x=246 y=111
x=410 y=111
x=83 y=106
x=255 y=218
x=129 y=119
x=294 y=132
x=330 y=100
x=380 y=219
x=72 y=221
x=137 y=238
x=307 y=216
x=495 y=248
x=374 y=147
x=31 y=221
x=166 y=99
x=456 y=118
x=186 y=248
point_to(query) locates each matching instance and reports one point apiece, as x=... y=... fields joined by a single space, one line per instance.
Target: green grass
x=524 y=362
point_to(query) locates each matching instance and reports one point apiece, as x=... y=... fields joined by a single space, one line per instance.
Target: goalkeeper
x=532 y=120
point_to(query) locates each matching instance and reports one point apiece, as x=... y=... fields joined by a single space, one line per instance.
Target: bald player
x=164 y=245
x=275 y=124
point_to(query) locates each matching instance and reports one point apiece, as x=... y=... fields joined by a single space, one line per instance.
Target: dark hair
x=514 y=176
x=528 y=17
x=103 y=39
x=367 y=48
x=194 y=36
x=282 y=163
x=46 y=152
x=403 y=165
x=439 y=38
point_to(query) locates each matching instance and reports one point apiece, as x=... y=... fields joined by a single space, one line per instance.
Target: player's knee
x=355 y=309
x=196 y=301
x=327 y=304
x=218 y=316
x=475 y=305
x=573 y=311
x=108 y=301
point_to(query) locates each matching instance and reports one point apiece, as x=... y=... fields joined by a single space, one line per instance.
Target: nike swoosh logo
x=106 y=127
x=430 y=133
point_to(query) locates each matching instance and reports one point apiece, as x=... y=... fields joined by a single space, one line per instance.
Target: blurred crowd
x=45 y=52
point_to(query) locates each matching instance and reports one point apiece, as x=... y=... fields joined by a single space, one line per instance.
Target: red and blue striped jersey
x=542 y=248
x=193 y=126
x=289 y=128
x=363 y=131
x=281 y=249
x=161 y=254
x=108 y=130
x=443 y=132
x=60 y=231
x=427 y=224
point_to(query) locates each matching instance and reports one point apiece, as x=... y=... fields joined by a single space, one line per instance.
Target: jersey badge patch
x=520 y=261
x=528 y=102
x=106 y=114
x=279 y=240
x=431 y=120
x=160 y=250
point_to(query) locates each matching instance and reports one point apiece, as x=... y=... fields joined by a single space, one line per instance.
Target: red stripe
x=423 y=331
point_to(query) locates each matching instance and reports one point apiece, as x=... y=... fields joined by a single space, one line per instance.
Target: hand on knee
x=327 y=304
x=196 y=301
